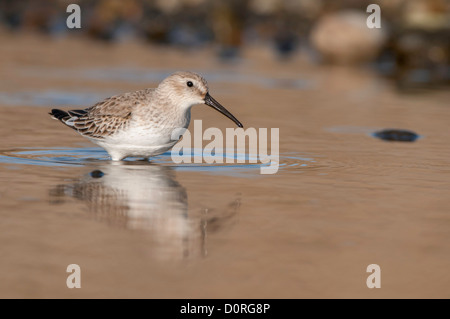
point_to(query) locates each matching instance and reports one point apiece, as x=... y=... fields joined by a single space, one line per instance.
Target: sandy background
x=305 y=232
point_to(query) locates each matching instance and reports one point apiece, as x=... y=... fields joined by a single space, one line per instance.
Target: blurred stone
x=227 y=24
x=168 y=6
x=285 y=42
x=426 y=14
x=97 y=173
x=344 y=38
x=419 y=43
x=264 y=7
x=396 y=135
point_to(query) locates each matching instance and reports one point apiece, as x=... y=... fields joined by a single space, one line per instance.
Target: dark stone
x=97 y=173
x=396 y=135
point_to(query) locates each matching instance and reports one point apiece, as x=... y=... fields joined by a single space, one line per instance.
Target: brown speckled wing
x=107 y=117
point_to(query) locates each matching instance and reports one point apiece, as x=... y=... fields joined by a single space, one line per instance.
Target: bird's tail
x=63 y=116
x=68 y=117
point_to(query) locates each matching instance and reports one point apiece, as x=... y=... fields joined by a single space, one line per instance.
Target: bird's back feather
x=104 y=118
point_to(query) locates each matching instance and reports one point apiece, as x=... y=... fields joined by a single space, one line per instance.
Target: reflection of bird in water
x=144 y=197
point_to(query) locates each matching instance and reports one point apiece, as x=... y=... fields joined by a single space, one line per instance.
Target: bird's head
x=186 y=89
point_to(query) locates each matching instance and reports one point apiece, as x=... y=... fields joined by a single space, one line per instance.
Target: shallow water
x=340 y=201
x=63 y=156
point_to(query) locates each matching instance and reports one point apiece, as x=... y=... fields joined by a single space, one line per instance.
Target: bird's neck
x=164 y=110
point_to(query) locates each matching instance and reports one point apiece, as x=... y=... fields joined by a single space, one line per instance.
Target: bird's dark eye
x=190 y=84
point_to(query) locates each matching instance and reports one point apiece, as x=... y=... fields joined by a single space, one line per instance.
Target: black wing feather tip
x=62 y=116
x=77 y=112
x=58 y=114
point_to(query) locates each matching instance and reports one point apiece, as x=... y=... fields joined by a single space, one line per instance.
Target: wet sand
x=157 y=231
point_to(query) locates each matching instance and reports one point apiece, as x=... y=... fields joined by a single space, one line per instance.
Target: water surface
x=340 y=201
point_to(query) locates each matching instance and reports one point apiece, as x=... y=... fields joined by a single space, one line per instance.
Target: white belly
x=138 y=141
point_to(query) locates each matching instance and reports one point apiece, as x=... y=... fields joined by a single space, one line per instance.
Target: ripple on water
x=56 y=157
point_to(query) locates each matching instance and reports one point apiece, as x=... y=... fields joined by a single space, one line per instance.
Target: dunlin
x=141 y=123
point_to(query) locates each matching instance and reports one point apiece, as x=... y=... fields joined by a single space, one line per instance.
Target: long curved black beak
x=217 y=106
